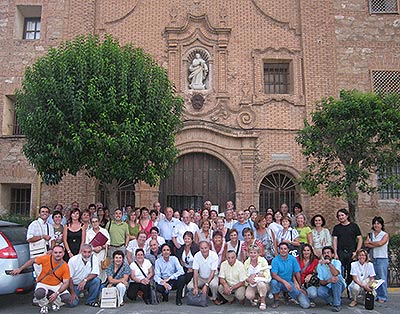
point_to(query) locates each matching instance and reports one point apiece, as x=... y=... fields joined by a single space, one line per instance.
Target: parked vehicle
x=14 y=251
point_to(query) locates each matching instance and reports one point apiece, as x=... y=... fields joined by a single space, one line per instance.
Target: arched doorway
x=277 y=188
x=197 y=177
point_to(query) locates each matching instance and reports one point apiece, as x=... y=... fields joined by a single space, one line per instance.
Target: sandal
x=275 y=304
x=93 y=304
x=263 y=307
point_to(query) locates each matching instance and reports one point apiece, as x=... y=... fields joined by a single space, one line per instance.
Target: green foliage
x=92 y=105
x=348 y=139
x=22 y=220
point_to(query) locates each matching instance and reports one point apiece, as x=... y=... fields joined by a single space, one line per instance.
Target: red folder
x=99 y=240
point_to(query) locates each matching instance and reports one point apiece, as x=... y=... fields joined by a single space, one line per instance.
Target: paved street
x=22 y=304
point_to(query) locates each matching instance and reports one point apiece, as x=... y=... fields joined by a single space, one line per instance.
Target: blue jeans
x=93 y=287
x=312 y=292
x=333 y=294
x=381 y=266
x=277 y=287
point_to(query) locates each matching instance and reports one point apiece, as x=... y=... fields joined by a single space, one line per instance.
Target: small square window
x=32 y=28
x=392 y=191
x=20 y=202
x=277 y=78
x=383 y=6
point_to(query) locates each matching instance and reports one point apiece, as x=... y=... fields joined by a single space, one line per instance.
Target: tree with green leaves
x=349 y=140
x=91 y=105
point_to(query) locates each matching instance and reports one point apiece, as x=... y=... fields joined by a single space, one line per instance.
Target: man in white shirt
x=229 y=221
x=167 y=226
x=157 y=208
x=42 y=234
x=84 y=269
x=179 y=231
x=205 y=270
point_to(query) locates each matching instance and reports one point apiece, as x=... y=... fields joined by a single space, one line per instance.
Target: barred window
x=391 y=192
x=277 y=78
x=20 y=203
x=32 y=28
x=383 y=6
x=386 y=81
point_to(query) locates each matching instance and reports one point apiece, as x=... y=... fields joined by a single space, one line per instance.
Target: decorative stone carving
x=197 y=101
x=221 y=112
x=198 y=72
x=246 y=118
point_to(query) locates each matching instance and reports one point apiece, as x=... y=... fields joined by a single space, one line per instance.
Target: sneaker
x=263 y=307
x=312 y=304
x=270 y=296
x=275 y=304
x=353 y=303
x=55 y=307
x=44 y=309
x=336 y=308
x=254 y=302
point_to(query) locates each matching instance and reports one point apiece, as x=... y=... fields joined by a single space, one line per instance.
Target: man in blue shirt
x=241 y=224
x=167 y=227
x=284 y=268
x=331 y=282
x=169 y=275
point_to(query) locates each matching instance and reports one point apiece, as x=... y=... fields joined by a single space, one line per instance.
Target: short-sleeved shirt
x=240 y=226
x=167 y=227
x=79 y=270
x=346 y=236
x=38 y=228
x=48 y=264
x=145 y=267
x=205 y=265
x=118 y=232
x=124 y=270
x=291 y=234
x=285 y=268
x=233 y=274
x=303 y=233
x=324 y=272
x=362 y=271
x=308 y=269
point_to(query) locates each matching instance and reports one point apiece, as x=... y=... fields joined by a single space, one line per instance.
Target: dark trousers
x=345 y=258
x=176 y=284
x=135 y=287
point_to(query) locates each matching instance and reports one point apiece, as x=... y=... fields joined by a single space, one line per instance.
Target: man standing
x=157 y=207
x=119 y=233
x=167 y=227
x=40 y=236
x=347 y=240
x=205 y=268
x=241 y=224
x=169 y=275
x=284 y=268
x=232 y=277
x=229 y=221
x=331 y=281
x=53 y=281
x=84 y=269
x=180 y=229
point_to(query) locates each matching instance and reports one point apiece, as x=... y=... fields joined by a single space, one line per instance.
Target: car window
x=16 y=234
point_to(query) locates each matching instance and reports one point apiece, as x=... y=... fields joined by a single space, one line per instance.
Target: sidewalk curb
x=391 y=290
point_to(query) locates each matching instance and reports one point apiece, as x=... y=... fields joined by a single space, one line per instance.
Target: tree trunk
x=112 y=189
x=352 y=200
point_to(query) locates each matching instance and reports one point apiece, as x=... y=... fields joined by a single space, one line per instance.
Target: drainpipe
x=39 y=193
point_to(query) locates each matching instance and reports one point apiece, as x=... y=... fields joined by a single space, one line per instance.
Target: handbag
x=106 y=262
x=293 y=249
x=196 y=300
x=39 y=247
x=153 y=290
x=369 y=301
x=313 y=282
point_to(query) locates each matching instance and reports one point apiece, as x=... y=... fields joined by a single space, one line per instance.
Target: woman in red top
x=144 y=220
x=308 y=266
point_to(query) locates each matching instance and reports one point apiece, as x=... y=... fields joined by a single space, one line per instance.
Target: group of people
x=239 y=254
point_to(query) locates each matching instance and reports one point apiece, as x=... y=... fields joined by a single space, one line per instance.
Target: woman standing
x=290 y=236
x=186 y=254
x=249 y=240
x=220 y=226
x=74 y=234
x=276 y=225
x=102 y=219
x=101 y=250
x=320 y=236
x=258 y=277
x=205 y=233
x=141 y=273
x=308 y=267
x=58 y=227
x=378 y=241
x=234 y=244
x=133 y=226
x=266 y=236
x=218 y=246
x=144 y=220
x=302 y=228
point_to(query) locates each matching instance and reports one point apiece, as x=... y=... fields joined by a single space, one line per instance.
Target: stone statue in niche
x=198 y=73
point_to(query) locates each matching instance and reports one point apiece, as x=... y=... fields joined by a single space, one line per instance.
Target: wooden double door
x=197 y=177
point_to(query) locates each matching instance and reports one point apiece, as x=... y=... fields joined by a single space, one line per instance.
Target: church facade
x=250 y=72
